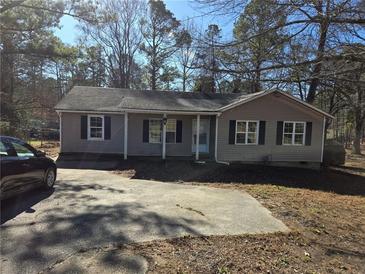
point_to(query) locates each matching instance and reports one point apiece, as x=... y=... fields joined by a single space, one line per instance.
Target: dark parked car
x=23 y=167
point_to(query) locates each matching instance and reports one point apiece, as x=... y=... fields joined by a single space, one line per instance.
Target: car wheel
x=50 y=178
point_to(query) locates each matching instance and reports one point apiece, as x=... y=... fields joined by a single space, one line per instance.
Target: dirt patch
x=51 y=148
x=99 y=260
x=338 y=180
x=325 y=210
x=273 y=253
x=355 y=163
x=128 y=173
x=332 y=225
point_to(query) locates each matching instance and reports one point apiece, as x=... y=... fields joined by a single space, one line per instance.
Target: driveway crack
x=191 y=209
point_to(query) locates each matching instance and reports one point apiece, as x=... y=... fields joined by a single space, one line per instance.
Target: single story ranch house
x=270 y=127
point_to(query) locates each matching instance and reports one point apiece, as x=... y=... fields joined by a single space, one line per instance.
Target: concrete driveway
x=91 y=208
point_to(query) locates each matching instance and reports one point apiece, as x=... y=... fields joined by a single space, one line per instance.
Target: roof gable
x=265 y=93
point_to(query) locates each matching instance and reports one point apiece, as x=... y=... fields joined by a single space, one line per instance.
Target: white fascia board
x=141 y=111
x=88 y=111
x=170 y=112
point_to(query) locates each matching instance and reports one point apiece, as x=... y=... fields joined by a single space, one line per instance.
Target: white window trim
x=89 y=131
x=293 y=133
x=149 y=128
x=246 y=137
x=174 y=142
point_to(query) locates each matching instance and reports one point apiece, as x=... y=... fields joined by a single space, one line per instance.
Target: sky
x=182 y=9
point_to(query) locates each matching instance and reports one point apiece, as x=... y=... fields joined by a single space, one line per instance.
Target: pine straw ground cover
x=51 y=148
x=325 y=211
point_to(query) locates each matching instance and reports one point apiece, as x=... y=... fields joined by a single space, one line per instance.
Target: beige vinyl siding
x=72 y=142
x=271 y=109
x=71 y=135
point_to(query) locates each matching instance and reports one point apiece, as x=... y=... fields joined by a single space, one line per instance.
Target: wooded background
x=313 y=49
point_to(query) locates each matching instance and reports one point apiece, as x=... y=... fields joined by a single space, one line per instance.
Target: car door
x=11 y=172
x=33 y=171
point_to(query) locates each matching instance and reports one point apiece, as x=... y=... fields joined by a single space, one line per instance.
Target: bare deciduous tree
x=116 y=31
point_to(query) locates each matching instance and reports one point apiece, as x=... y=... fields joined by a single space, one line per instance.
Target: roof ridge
x=162 y=91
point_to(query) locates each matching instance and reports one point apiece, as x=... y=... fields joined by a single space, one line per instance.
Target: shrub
x=334 y=153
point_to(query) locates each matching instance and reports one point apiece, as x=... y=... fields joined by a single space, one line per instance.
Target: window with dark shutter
x=246 y=132
x=146 y=125
x=107 y=127
x=178 y=131
x=308 y=134
x=293 y=133
x=232 y=131
x=96 y=127
x=279 y=133
x=83 y=127
x=171 y=125
x=262 y=130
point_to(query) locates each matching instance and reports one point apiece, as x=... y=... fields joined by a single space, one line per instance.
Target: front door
x=203 y=136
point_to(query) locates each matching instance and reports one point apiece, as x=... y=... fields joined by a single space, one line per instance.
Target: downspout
x=216 y=142
x=125 y=147
x=60 y=129
x=323 y=137
x=164 y=121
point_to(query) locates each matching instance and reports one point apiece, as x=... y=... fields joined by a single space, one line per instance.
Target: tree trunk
x=184 y=79
x=357 y=140
x=257 y=85
x=318 y=66
x=7 y=80
x=153 y=78
x=359 y=122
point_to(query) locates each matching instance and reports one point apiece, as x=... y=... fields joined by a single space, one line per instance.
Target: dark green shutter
x=262 y=132
x=232 y=132
x=279 y=133
x=178 y=131
x=146 y=129
x=107 y=127
x=308 y=134
x=83 y=127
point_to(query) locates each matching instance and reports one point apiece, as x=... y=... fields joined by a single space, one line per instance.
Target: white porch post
x=216 y=139
x=197 y=137
x=125 y=135
x=164 y=137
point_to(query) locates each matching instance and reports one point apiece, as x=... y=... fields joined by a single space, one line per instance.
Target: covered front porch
x=171 y=135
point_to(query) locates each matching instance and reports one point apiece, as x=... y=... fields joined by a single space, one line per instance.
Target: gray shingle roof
x=83 y=98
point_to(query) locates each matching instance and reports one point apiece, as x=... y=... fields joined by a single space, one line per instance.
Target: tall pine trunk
x=318 y=66
x=153 y=78
x=359 y=122
x=356 y=148
x=323 y=12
